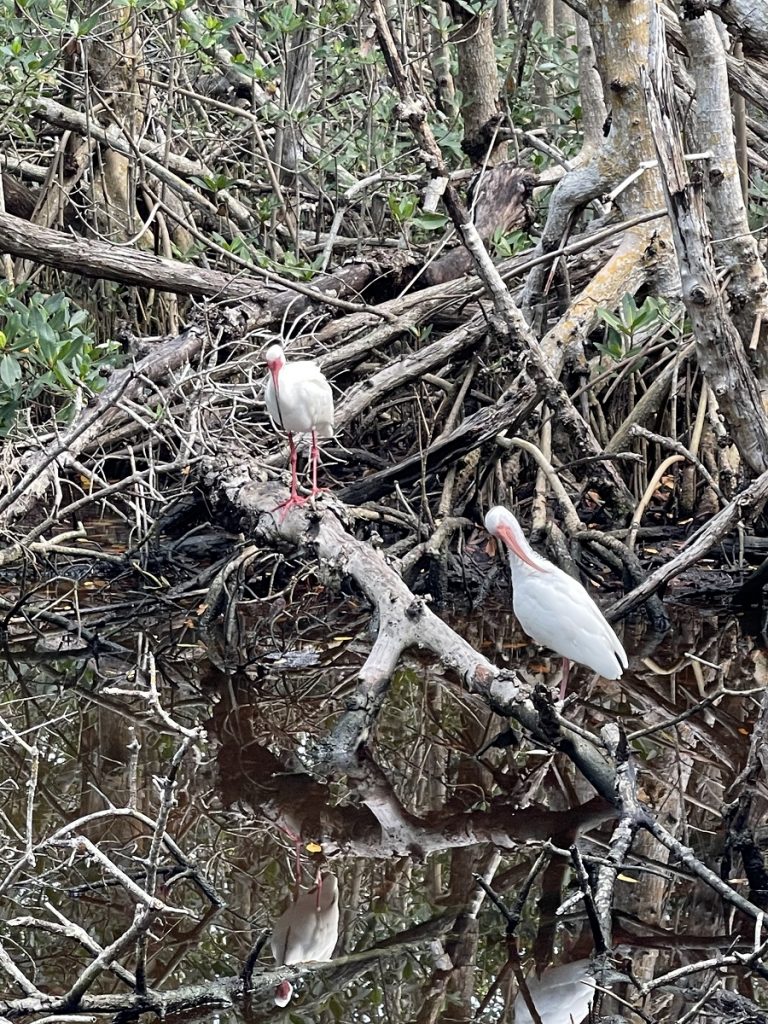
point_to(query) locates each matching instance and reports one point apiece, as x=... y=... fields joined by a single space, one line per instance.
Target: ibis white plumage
x=562 y=995
x=553 y=608
x=307 y=930
x=299 y=400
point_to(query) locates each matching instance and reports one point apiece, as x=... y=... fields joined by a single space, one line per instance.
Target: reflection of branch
x=152 y=697
x=70 y=930
x=15 y=974
x=33 y=754
x=81 y=844
x=629 y=821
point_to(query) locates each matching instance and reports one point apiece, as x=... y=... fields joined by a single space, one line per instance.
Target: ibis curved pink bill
x=307 y=930
x=299 y=400
x=553 y=608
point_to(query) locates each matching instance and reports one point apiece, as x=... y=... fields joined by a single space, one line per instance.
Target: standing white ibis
x=307 y=930
x=553 y=608
x=299 y=400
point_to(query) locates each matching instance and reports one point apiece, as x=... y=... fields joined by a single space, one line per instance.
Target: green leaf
x=611 y=320
x=428 y=221
x=10 y=370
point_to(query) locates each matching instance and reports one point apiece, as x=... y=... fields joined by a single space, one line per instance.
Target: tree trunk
x=478 y=81
x=735 y=247
x=719 y=348
x=619 y=32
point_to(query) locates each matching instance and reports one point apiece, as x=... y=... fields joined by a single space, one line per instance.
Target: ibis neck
x=518 y=563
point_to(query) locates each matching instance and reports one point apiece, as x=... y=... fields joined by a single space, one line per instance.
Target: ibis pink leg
x=564 y=680
x=314 y=459
x=319 y=886
x=295 y=500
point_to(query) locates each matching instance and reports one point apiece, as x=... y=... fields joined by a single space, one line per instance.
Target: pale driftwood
x=719 y=349
x=619 y=34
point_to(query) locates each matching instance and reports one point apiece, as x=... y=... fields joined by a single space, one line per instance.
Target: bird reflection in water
x=307 y=930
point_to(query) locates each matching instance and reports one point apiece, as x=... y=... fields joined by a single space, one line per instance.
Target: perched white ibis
x=553 y=608
x=307 y=930
x=299 y=400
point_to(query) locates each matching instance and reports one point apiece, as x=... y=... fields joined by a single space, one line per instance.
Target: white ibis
x=562 y=995
x=553 y=608
x=307 y=930
x=299 y=400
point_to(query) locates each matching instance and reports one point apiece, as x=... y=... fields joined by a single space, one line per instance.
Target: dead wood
x=510 y=324
x=164 y=164
x=737 y=251
x=508 y=413
x=719 y=348
x=93 y=258
x=274 y=294
x=403 y=621
x=499 y=198
x=747 y=20
x=744 y=506
x=19 y=200
x=38 y=469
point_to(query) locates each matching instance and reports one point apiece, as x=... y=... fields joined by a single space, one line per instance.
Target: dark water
x=85 y=747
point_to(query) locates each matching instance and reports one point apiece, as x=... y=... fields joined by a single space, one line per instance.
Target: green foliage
x=405 y=213
x=556 y=59
x=47 y=354
x=509 y=244
x=631 y=326
x=757 y=208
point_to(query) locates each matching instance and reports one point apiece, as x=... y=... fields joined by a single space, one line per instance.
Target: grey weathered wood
x=734 y=245
x=719 y=349
x=92 y=258
x=508 y=413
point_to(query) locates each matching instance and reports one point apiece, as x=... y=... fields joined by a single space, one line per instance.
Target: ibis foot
x=295 y=501
x=283 y=993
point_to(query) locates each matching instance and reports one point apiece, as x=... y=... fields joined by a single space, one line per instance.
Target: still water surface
x=247 y=785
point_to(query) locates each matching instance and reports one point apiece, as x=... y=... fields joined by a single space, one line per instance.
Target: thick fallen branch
x=131 y=266
x=404 y=621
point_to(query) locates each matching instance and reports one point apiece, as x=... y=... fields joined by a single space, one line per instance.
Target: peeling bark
x=735 y=247
x=719 y=348
x=619 y=32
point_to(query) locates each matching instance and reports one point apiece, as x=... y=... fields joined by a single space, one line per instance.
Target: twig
x=667 y=442
x=746 y=504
